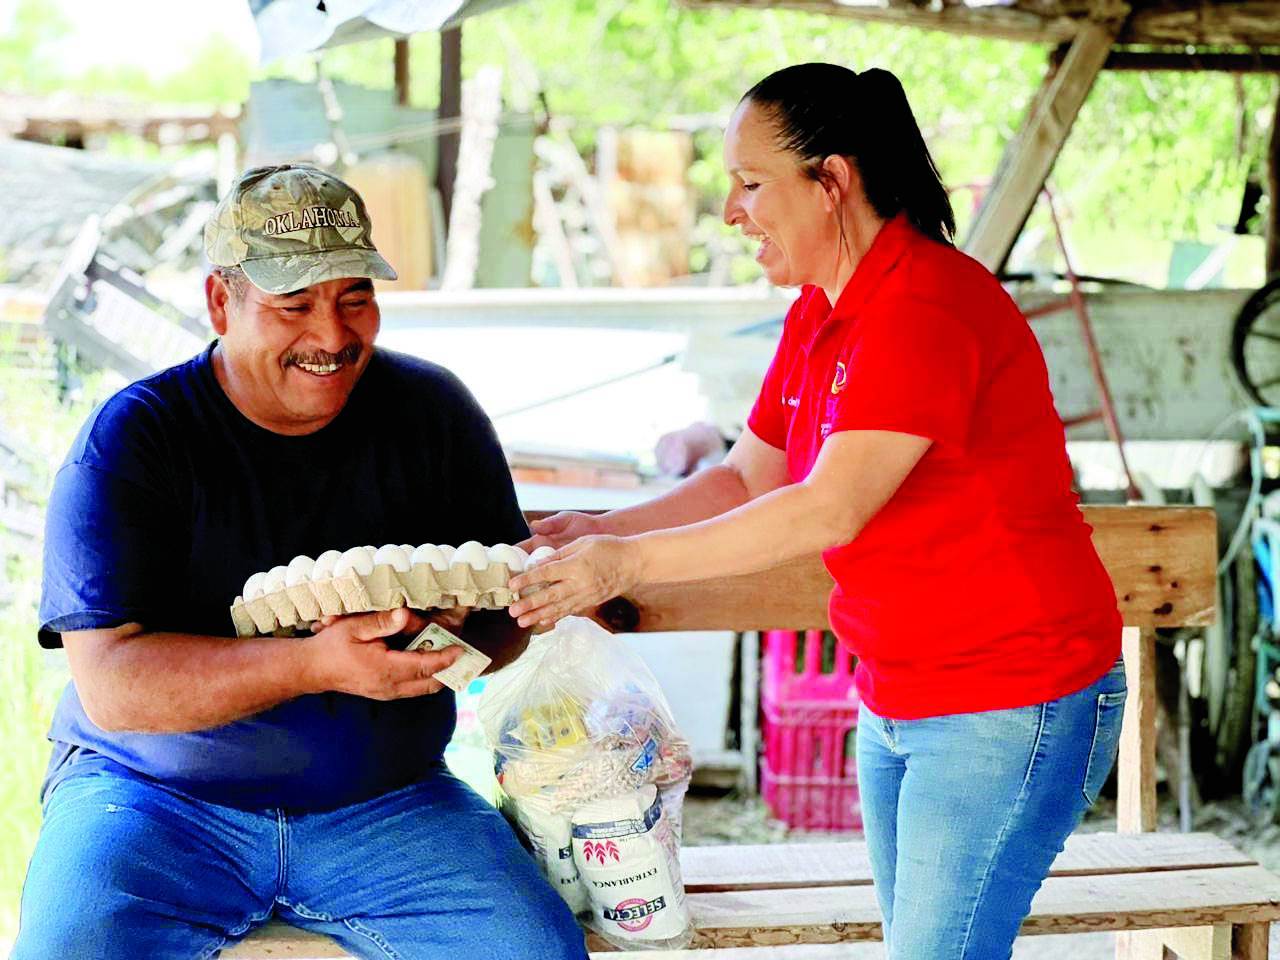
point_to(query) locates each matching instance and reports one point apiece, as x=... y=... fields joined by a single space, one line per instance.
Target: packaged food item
x=582 y=735
x=629 y=860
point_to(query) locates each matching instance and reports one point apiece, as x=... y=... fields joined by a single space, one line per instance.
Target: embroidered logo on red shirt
x=837 y=383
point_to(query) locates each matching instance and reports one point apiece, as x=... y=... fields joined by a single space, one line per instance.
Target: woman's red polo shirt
x=976 y=587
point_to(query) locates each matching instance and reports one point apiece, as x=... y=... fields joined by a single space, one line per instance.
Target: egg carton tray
x=364 y=580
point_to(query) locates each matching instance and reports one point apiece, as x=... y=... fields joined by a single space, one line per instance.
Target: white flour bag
x=549 y=838
x=628 y=857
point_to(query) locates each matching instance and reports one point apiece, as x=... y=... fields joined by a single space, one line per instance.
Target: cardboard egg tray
x=421 y=586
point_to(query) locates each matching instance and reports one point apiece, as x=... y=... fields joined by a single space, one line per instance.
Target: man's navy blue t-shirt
x=170 y=498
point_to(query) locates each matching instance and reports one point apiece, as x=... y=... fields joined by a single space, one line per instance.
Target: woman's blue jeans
x=965 y=813
x=126 y=869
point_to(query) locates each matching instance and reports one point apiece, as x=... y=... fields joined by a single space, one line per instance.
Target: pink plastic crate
x=808 y=777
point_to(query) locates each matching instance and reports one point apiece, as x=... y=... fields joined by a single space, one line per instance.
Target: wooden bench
x=1191 y=893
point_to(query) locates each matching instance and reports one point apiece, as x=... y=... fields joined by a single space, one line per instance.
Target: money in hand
x=459 y=674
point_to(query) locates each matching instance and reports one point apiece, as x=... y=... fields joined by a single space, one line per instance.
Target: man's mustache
x=319 y=358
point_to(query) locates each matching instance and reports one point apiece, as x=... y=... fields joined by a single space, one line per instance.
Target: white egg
x=299 y=570
x=325 y=563
x=254 y=587
x=542 y=553
x=393 y=555
x=447 y=552
x=512 y=557
x=275 y=579
x=407 y=548
x=355 y=560
x=472 y=553
x=429 y=553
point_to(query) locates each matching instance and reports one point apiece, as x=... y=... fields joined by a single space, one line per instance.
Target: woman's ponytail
x=822 y=109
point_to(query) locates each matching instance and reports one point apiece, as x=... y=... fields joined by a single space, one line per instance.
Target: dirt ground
x=714 y=819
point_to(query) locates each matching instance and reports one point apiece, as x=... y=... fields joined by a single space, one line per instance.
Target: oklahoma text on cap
x=292 y=226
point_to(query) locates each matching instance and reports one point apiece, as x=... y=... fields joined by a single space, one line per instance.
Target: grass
x=29 y=689
x=31 y=679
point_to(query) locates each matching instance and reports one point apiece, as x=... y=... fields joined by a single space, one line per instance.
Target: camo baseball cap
x=292 y=226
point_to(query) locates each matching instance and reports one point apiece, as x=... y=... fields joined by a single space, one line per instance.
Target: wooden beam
x=1249 y=941
x=1240 y=23
x=1273 y=192
x=1031 y=154
x=1181 y=60
x=1136 y=804
x=998 y=22
x=450 y=109
x=1162 y=561
x=402 y=74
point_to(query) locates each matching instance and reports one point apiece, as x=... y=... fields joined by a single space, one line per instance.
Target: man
x=200 y=784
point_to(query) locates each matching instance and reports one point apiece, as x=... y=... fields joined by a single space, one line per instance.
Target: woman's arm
x=854 y=476
x=750 y=469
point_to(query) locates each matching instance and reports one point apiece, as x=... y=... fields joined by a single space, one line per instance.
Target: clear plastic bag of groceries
x=594 y=772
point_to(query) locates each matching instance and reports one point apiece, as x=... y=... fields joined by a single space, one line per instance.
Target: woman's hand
x=579 y=578
x=561 y=528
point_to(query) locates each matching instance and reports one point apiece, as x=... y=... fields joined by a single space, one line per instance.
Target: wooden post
x=1249 y=941
x=1186 y=943
x=1136 y=807
x=402 y=71
x=1273 y=191
x=1136 y=802
x=450 y=109
x=1031 y=155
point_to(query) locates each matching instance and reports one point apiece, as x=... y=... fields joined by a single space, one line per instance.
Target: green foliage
x=27 y=47
x=30 y=679
x=1153 y=158
x=31 y=689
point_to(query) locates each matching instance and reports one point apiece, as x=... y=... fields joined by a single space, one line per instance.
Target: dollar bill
x=459 y=674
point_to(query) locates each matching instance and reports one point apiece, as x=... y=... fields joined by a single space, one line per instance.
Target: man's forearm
x=176 y=683
x=708 y=493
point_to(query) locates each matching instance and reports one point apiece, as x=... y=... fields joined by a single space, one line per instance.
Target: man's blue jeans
x=965 y=813
x=127 y=868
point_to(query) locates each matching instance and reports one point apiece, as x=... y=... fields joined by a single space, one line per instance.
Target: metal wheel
x=1255 y=345
x=1222 y=720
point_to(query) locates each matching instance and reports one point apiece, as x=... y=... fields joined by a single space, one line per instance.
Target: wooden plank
x=1031 y=155
x=845 y=863
x=1162 y=561
x=1249 y=941
x=1063 y=905
x=1136 y=803
x=1069 y=904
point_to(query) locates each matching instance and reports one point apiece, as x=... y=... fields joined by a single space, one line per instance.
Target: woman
x=905 y=428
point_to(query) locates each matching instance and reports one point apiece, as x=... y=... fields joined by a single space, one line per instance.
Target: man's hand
x=349 y=655
x=561 y=528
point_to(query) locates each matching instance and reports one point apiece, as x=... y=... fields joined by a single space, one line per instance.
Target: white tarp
x=287 y=27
